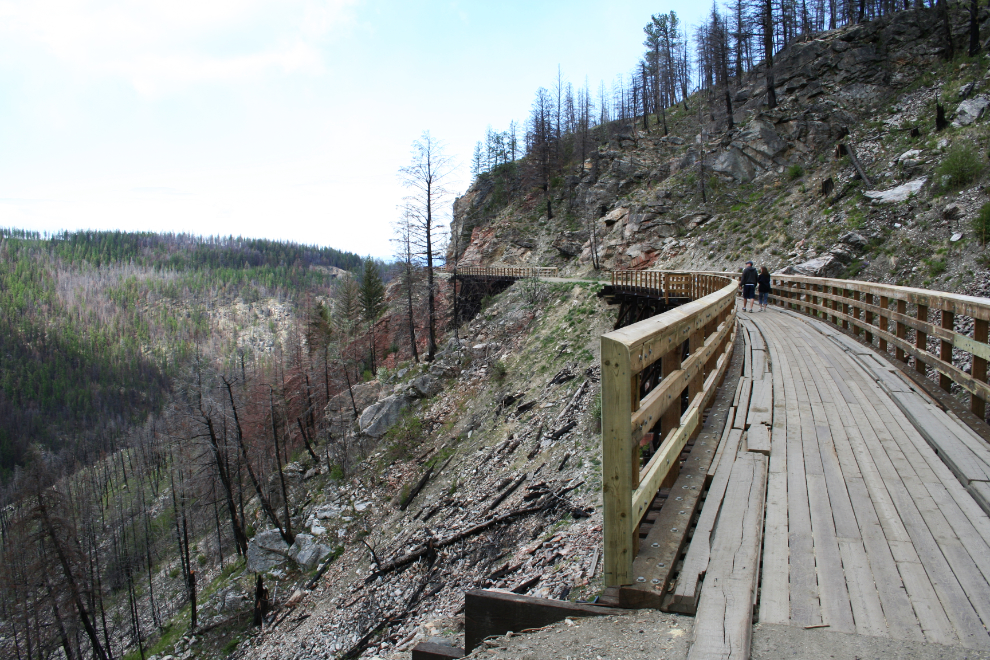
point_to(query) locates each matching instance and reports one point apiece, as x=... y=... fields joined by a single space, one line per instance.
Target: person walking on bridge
x=763 y=287
x=748 y=283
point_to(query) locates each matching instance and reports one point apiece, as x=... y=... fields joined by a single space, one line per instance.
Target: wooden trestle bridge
x=822 y=464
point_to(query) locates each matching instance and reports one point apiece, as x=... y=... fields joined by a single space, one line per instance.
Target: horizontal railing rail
x=886 y=317
x=693 y=343
x=507 y=271
x=669 y=284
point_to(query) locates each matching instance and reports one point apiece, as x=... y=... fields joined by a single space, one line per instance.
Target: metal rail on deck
x=879 y=314
x=704 y=329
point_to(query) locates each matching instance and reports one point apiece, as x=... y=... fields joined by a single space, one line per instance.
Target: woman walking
x=763 y=288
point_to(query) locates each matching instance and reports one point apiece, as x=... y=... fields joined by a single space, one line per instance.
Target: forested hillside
x=95 y=325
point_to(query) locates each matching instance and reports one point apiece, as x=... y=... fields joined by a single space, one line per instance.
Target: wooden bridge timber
x=837 y=480
x=822 y=464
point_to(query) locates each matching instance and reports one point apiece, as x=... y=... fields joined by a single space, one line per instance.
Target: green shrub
x=336 y=472
x=935 y=266
x=960 y=167
x=499 y=371
x=795 y=172
x=405 y=436
x=981 y=224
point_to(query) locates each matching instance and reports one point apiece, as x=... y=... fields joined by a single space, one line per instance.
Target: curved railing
x=507 y=271
x=900 y=318
x=693 y=345
x=668 y=284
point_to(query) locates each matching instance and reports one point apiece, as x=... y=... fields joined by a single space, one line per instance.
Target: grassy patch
x=981 y=224
x=960 y=167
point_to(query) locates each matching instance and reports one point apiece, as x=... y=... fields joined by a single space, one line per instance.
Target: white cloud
x=160 y=46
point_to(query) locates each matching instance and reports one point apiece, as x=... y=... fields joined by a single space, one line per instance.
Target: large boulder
x=569 y=243
x=425 y=386
x=379 y=417
x=266 y=551
x=307 y=552
x=970 y=110
x=752 y=151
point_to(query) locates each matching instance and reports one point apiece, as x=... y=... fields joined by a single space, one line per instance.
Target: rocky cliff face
x=706 y=196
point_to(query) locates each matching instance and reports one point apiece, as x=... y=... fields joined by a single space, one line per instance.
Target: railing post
x=672 y=417
x=884 y=323
x=869 y=299
x=976 y=404
x=945 y=354
x=845 y=309
x=921 y=340
x=616 y=459
x=634 y=387
x=695 y=343
x=901 y=330
x=856 y=312
x=833 y=304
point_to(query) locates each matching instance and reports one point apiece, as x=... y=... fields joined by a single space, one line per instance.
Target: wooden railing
x=668 y=284
x=507 y=271
x=885 y=316
x=693 y=343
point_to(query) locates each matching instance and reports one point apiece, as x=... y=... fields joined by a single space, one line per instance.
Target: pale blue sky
x=285 y=119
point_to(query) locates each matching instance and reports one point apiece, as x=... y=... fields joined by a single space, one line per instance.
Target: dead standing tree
x=425 y=176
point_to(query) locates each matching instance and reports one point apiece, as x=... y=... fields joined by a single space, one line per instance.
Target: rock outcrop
x=266 y=551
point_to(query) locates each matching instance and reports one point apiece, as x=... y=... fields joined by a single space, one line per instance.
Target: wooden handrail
x=507 y=271
x=705 y=328
x=878 y=314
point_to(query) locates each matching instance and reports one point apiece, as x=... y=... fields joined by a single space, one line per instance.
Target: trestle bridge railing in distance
x=704 y=329
x=515 y=272
x=885 y=316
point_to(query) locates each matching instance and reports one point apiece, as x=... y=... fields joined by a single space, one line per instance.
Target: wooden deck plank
x=721 y=444
x=761 y=402
x=804 y=602
x=879 y=525
x=833 y=593
x=842 y=472
x=685 y=596
x=950 y=593
x=758 y=439
x=775 y=572
x=724 y=622
x=922 y=550
x=896 y=606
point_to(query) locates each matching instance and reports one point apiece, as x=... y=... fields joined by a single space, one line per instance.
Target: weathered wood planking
x=775 y=571
x=761 y=402
x=758 y=439
x=724 y=621
x=942 y=563
x=685 y=595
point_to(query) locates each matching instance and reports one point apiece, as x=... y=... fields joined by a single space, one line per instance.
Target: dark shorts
x=749 y=291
